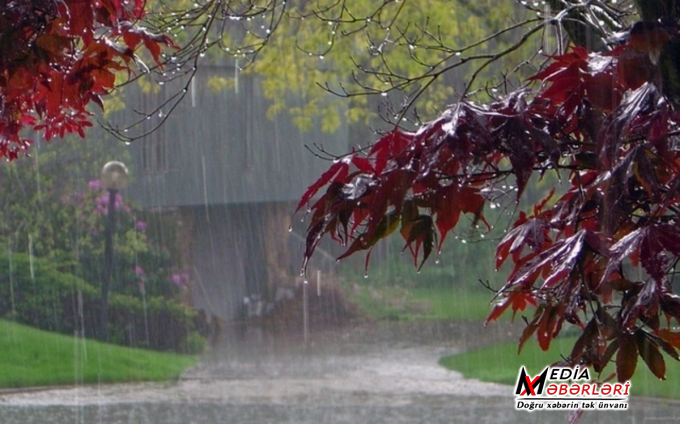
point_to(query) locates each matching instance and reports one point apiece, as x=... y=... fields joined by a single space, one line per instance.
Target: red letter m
x=525 y=384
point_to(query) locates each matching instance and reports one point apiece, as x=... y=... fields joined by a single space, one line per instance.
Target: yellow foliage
x=218 y=83
x=148 y=87
x=297 y=60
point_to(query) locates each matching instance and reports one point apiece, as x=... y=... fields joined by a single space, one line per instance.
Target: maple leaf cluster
x=601 y=256
x=57 y=57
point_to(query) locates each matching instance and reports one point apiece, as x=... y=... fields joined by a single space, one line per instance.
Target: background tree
x=599 y=253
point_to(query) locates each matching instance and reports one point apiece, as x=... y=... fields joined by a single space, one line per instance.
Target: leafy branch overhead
x=58 y=57
x=601 y=255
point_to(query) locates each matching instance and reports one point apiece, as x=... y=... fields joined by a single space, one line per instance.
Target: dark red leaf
x=626 y=358
x=362 y=164
x=667 y=347
x=544 y=334
x=497 y=310
x=421 y=233
x=388 y=147
x=531 y=328
x=650 y=244
x=671 y=337
x=651 y=355
x=526 y=232
x=607 y=355
x=556 y=263
x=337 y=172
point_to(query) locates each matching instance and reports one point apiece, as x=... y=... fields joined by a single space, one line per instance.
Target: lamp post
x=113 y=178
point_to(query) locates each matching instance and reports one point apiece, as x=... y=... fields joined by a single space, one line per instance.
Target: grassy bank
x=413 y=303
x=500 y=364
x=32 y=357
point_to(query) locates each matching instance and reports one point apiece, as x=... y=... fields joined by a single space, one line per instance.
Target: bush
x=167 y=322
x=194 y=344
x=35 y=293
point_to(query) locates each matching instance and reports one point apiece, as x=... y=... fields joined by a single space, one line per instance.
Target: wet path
x=384 y=374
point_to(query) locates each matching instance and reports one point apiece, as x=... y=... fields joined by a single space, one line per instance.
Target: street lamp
x=114 y=176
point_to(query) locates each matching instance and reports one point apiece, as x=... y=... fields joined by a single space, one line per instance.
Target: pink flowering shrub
x=142 y=267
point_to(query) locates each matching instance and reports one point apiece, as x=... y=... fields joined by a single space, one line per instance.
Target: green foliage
x=194 y=344
x=52 y=206
x=168 y=322
x=32 y=357
x=36 y=195
x=34 y=292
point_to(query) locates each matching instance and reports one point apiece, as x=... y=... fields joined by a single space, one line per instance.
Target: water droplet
x=457 y=53
x=384 y=94
x=366 y=275
x=290 y=229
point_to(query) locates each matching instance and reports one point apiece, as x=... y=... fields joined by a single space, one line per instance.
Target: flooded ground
x=385 y=373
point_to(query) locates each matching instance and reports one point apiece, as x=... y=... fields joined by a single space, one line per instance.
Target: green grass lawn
x=31 y=357
x=454 y=303
x=500 y=364
x=413 y=303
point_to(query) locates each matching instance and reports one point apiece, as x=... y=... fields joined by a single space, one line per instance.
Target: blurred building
x=234 y=176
